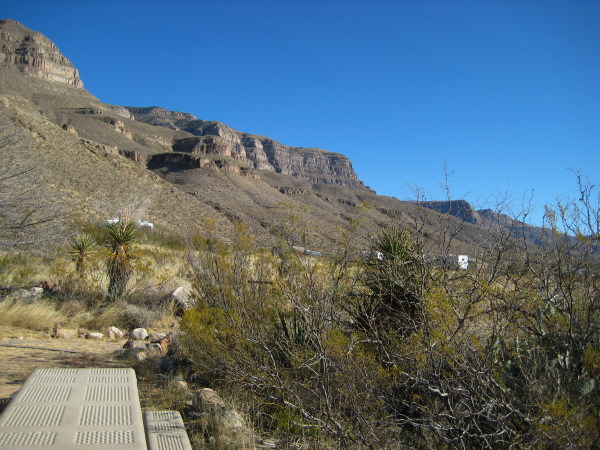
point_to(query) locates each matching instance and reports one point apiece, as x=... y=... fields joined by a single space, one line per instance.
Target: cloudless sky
x=503 y=93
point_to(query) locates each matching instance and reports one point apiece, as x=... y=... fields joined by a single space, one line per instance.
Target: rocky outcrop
x=69 y=128
x=133 y=155
x=118 y=126
x=207 y=145
x=311 y=164
x=458 y=208
x=177 y=161
x=160 y=117
x=216 y=138
x=174 y=162
x=227 y=135
x=32 y=54
x=256 y=152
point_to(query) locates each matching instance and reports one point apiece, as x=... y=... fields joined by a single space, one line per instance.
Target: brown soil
x=19 y=357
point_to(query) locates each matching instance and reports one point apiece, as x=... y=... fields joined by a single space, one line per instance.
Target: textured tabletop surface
x=75 y=408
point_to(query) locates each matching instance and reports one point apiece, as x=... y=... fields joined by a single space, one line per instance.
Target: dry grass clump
x=127 y=316
x=40 y=315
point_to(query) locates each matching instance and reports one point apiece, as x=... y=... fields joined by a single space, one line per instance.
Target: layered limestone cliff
x=32 y=54
x=314 y=165
x=154 y=115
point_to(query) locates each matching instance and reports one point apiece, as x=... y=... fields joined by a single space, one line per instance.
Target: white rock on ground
x=114 y=333
x=94 y=336
x=139 y=334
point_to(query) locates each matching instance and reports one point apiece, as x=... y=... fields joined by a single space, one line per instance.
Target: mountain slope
x=176 y=170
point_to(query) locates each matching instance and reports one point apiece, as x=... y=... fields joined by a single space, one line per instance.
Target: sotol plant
x=120 y=238
x=82 y=249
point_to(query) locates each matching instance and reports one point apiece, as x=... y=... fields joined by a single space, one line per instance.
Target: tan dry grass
x=40 y=315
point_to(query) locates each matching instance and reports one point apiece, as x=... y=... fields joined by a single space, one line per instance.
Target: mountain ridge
x=182 y=169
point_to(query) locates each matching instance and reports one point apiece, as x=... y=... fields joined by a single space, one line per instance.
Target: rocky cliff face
x=458 y=208
x=32 y=54
x=161 y=117
x=314 y=165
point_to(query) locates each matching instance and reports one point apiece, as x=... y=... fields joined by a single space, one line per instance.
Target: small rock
x=19 y=337
x=139 y=334
x=179 y=382
x=65 y=333
x=128 y=353
x=267 y=443
x=132 y=343
x=140 y=356
x=114 y=333
x=35 y=291
x=208 y=401
x=50 y=286
x=157 y=337
x=70 y=128
x=154 y=349
x=30 y=293
x=206 y=397
x=94 y=336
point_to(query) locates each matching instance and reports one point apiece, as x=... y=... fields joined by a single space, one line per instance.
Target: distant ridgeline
x=457 y=208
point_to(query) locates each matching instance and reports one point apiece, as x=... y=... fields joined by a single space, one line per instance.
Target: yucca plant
x=82 y=249
x=120 y=238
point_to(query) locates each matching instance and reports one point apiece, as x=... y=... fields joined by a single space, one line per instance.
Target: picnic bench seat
x=96 y=408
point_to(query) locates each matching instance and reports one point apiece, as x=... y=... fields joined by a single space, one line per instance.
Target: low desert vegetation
x=331 y=351
x=115 y=275
x=335 y=350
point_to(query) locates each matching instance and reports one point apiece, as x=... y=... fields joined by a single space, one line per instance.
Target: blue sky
x=505 y=94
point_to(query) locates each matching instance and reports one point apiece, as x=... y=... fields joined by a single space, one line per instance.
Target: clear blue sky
x=505 y=92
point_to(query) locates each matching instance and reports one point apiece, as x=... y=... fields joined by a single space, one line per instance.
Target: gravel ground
x=22 y=351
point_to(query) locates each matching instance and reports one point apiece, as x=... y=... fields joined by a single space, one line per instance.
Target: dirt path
x=19 y=357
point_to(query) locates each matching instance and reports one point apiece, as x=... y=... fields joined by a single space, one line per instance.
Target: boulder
x=134 y=343
x=209 y=402
x=139 y=334
x=179 y=383
x=65 y=333
x=160 y=339
x=94 y=335
x=69 y=128
x=157 y=337
x=114 y=333
x=154 y=349
x=131 y=353
x=182 y=299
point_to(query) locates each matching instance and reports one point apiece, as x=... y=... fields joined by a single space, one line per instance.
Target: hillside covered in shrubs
x=351 y=348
